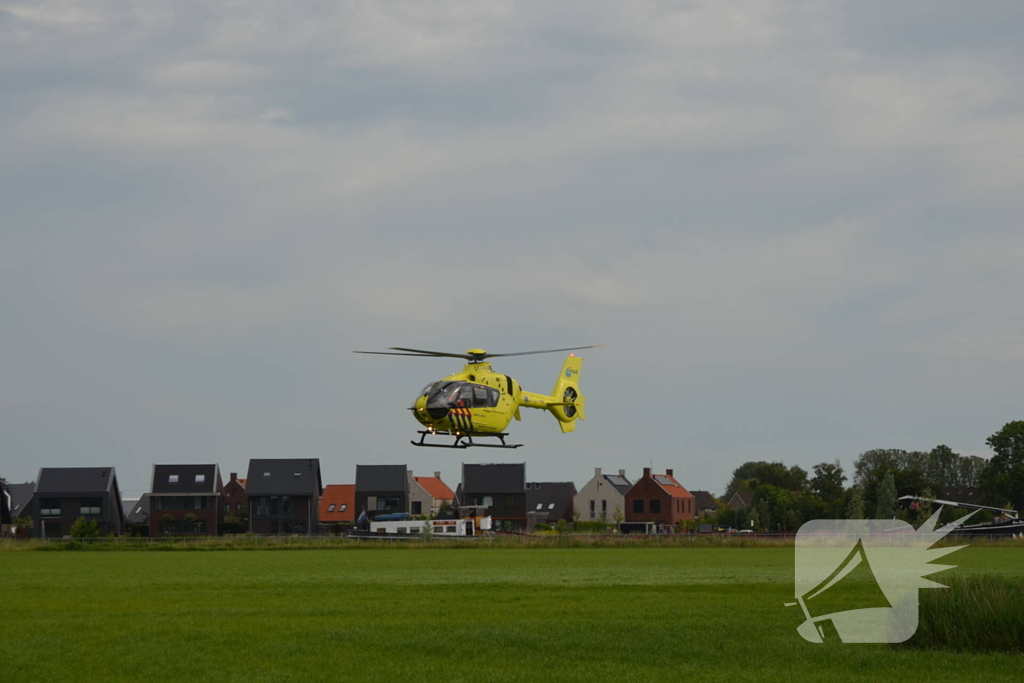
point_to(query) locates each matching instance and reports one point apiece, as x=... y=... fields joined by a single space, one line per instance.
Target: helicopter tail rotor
x=567 y=392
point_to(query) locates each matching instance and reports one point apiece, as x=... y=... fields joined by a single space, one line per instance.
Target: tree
x=749 y=475
x=886 y=506
x=828 y=480
x=85 y=529
x=855 y=510
x=618 y=516
x=1003 y=477
x=924 y=508
x=764 y=515
x=168 y=523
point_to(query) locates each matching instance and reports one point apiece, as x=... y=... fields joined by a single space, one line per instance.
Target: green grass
x=978 y=612
x=501 y=614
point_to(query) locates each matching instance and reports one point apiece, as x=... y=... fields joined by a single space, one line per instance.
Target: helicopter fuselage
x=480 y=401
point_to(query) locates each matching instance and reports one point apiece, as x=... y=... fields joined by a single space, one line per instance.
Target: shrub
x=85 y=529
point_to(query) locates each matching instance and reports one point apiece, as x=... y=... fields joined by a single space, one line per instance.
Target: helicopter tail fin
x=567 y=392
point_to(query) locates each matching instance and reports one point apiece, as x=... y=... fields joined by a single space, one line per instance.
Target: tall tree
x=1003 y=477
x=855 y=510
x=827 y=482
x=924 y=508
x=886 y=506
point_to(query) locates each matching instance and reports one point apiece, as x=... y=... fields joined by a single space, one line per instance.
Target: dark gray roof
x=620 y=484
x=284 y=477
x=75 y=480
x=21 y=497
x=186 y=479
x=703 y=500
x=382 y=478
x=491 y=478
x=138 y=511
x=554 y=497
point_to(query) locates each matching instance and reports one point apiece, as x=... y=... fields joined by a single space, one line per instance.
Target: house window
x=330 y=508
x=238 y=507
x=604 y=507
x=540 y=506
x=638 y=506
x=344 y=506
x=551 y=506
x=387 y=503
x=449 y=530
x=227 y=508
x=200 y=478
x=49 y=507
x=593 y=509
x=172 y=479
x=417 y=507
x=90 y=506
x=298 y=474
x=488 y=501
x=266 y=474
x=655 y=506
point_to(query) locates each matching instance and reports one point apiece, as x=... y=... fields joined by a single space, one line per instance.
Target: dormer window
x=172 y=479
x=200 y=478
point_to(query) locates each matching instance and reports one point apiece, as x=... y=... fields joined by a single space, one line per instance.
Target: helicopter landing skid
x=464 y=441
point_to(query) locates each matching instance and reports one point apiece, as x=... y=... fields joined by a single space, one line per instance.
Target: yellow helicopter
x=479 y=402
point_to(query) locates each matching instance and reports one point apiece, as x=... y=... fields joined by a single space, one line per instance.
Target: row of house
x=287 y=496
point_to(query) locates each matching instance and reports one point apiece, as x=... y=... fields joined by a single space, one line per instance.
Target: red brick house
x=658 y=498
x=338 y=504
x=186 y=499
x=235 y=500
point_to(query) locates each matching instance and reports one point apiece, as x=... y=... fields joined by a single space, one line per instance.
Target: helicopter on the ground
x=479 y=402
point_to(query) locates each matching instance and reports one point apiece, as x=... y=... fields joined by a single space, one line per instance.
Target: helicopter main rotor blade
x=442 y=354
x=417 y=355
x=530 y=353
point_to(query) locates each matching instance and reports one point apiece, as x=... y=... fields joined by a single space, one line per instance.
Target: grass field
x=622 y=614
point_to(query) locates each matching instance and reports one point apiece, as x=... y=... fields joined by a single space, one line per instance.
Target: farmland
x=503 y=614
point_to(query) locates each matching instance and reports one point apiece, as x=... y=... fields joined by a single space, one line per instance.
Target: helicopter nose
x=437 y=412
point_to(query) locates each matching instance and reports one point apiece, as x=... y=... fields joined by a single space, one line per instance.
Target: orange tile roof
x=340 y=496
x=436 y=488
x=241 y=481
x=676 y=491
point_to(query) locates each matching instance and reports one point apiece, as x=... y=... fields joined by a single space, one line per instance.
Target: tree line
x=783 y=497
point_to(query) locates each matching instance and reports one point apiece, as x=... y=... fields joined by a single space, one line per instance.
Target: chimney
x=234 y=476
x=668 y=472
x=622 y=473
x=437 y=475
x=597 y=472
x=647 y=471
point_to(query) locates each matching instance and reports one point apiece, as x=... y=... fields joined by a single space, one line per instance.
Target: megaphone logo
x=857 y=579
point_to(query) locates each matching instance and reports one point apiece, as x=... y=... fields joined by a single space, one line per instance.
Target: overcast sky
x=795 y=227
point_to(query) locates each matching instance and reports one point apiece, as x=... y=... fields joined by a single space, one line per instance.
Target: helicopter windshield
x=462 y=395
